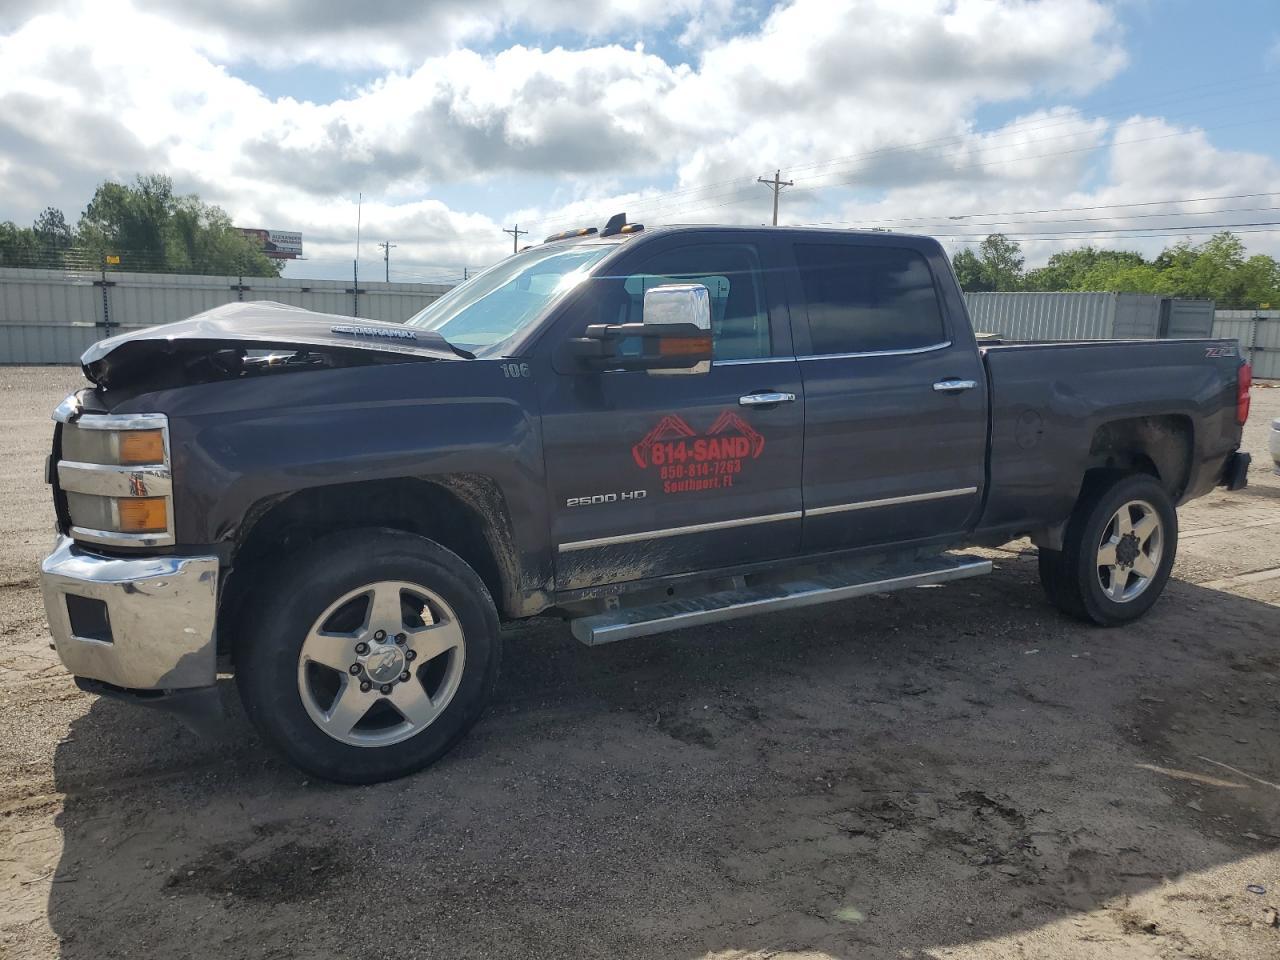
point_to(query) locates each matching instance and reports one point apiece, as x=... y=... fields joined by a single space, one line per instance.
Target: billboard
x=278 y=244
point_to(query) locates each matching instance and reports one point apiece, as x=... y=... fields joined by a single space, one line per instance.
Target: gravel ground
x=949 y=772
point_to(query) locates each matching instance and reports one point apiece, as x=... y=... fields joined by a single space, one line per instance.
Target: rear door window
x=863 y=299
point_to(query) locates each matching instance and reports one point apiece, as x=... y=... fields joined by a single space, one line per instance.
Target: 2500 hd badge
x=598 y=498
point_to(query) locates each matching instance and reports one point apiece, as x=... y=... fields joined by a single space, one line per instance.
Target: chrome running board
x=827 y=586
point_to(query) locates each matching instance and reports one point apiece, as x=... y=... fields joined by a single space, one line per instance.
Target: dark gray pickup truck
x=636 y=430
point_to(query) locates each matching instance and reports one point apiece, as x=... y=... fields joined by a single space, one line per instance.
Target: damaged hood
x=262 y=325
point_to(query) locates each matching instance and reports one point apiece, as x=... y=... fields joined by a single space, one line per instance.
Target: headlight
x=115 y=447
x=141 y=446
x=114 y=470
x=118 y=514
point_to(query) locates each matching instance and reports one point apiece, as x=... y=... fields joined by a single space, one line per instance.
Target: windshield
x=495 y=305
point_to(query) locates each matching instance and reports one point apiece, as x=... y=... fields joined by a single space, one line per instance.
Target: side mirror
x=681 y=305
x=675 y=337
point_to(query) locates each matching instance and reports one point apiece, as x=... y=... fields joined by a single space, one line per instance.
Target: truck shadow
x=886 y=777
x=1260 y=492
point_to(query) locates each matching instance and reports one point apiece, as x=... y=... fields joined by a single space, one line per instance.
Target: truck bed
x=1048 y=400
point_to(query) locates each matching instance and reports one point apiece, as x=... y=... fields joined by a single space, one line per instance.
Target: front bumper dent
x=152 y=618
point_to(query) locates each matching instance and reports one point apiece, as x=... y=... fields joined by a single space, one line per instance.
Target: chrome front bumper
x=146 y=623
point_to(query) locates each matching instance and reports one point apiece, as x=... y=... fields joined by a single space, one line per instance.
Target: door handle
x=954 y=386
x=765 y=399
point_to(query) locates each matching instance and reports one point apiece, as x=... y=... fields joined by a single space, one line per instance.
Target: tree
x=1115 y=276
x=968 y=270
x=996 y=266
x=148 y=226
x=19 y=246
x=52 y=230
x=1261 y=282
x=40 y=246
x=1002 y=262
x=153 y=230
x=1067 y=270
x=1218 y=269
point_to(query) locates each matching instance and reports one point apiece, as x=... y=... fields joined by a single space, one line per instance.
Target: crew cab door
x=653 y=473
x=895 y=394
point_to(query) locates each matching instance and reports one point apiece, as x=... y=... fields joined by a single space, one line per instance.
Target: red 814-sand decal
x=686 y=460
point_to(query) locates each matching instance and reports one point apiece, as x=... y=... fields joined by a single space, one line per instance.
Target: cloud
x=462 y=115
x=784 y=91
x=1134 y=166
x=891 y=87
x=395 y=33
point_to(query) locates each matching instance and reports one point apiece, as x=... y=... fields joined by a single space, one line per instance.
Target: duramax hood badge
x=359 y=331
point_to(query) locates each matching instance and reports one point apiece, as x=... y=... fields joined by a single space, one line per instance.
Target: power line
x=743 y=192
x=1088 y=149
x=1097 y=206
x=776 y=185
x=1263 y=226
x=1036 y=123
x=739 y=195
x=1176 y=95
x=936 y=225
x=991 y=146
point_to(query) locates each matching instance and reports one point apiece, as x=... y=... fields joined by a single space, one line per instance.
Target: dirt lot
x=949 y=772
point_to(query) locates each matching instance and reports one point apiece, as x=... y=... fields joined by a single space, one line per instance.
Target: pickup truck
x=634 y=430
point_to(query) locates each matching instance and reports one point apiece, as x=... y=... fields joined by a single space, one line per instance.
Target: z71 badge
x=1226 y=351
x=686 y=460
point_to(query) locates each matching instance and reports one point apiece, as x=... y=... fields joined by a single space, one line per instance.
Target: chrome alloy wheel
x=381 y=663
x=1129 y=552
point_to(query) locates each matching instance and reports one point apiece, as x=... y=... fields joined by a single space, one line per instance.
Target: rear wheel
x=1118 y=551
x=369 y=656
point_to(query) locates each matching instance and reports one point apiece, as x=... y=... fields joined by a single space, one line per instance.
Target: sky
x=1130 y=123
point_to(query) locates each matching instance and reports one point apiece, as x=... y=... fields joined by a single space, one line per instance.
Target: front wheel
x=1118 y=551
x=369 y=656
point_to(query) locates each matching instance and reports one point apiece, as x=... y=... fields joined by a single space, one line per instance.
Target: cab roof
x=618 y=229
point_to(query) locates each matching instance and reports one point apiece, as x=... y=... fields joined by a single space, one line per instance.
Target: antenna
x=355 y=264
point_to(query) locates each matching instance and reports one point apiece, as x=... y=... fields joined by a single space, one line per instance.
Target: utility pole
x=387 y=246
x=355 y=264
x=516 y=234
x=776 y=185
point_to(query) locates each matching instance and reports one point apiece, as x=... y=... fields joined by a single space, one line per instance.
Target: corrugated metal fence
x=1088 y=316
x=1043 y=316
x=1259 y=334
x=52 y=316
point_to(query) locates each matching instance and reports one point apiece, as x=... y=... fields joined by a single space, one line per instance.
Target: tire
x=406 y=697
x=1077 y=580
